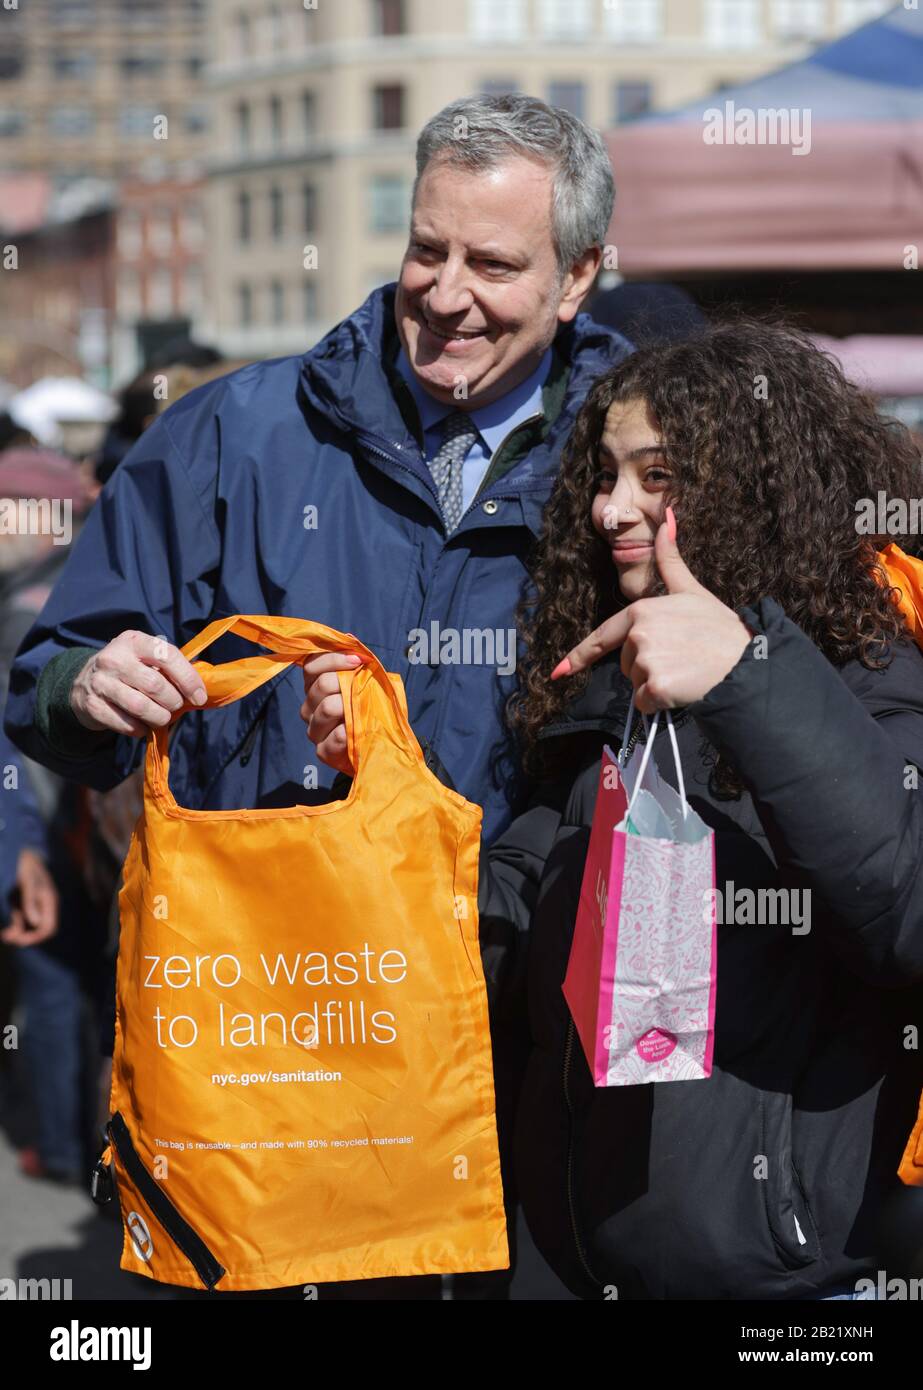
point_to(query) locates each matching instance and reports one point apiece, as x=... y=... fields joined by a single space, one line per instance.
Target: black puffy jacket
x=765 y=1180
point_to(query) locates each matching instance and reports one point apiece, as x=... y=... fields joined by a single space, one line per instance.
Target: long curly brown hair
x=769 y=448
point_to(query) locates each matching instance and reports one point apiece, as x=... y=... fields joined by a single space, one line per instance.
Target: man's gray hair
x=480 y=132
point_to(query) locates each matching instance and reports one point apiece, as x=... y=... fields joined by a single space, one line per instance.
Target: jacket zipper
x=639 y=729
x=571 y=1206
x=176 y=1226
x=246 y=749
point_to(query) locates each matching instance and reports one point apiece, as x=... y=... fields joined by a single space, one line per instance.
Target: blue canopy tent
x=818 y=166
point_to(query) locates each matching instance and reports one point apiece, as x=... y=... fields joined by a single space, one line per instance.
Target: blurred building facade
x=85 y=85
x=56 y=290
x=158 y=265
x=316 y=107
x=92 y=92
x=275 y=194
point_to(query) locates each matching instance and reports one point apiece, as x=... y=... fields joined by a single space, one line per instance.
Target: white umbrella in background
x=46 y=405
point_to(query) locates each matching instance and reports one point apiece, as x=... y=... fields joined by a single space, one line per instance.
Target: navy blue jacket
x=210 y=514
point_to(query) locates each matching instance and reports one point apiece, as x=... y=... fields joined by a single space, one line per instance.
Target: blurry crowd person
x=693 y=531
x=62 y=843
x=63 y=984
x=140 y=400
x=647 y=313
x=52 y=945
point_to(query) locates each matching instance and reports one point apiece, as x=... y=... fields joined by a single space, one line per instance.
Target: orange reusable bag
x=302 y=1087
x=911 y=1169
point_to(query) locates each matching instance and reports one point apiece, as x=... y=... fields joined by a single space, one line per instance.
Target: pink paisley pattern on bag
x=663 y=968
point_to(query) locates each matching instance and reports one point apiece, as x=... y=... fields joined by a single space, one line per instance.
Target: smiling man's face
x=480 y=297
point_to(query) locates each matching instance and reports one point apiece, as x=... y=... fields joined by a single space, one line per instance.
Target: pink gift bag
x=641 y=977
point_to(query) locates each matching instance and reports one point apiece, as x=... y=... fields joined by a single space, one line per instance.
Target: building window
x=138 y=120
x=388 y=107
x=72 y=12
x=196 y=118
x=798 y=19
x=570 y=96
x=244 y=216
x=130 y=237
x=140 y=14
x=276 y=213
x=497 y=19
x=244 y=129
x=498 y=86
x=852 y=13
x=733 y=23
x=192 y=291
x=388 y=17
x=277 y=301
x=565 y=19
x=631 y=99
x=160 y=293
x=128 y=295
x=309 y=301
x=73 y=120
x=243 y=34
x=139 y=64
x=245 y=305
x=76 y=63
x=309 y=207
x=275 y=121
x=634 y=21
x=309 y=112
x=160 y=232
x=195 y=65
x=12 y=64
x=276 y=29
x=389 y=203
x=12 y=122
x=192 y=227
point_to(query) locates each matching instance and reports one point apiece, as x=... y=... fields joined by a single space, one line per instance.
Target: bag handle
x=651 y=734
x=291 y=641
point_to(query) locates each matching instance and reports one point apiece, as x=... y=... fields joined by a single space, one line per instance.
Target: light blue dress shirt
x=493 y=422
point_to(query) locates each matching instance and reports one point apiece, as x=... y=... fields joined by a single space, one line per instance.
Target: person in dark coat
x=704 y=532
x=388 y=483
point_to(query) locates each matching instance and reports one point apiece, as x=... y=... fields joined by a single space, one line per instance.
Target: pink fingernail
x=563 y=668
x=671 y=524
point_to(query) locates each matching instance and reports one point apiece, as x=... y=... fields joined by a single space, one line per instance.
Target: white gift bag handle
x=651 y=732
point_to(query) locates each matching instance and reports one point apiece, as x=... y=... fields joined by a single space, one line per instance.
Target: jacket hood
x=343 y=377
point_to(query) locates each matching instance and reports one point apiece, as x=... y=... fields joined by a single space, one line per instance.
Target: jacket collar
x=602 y=706
x=348 y=379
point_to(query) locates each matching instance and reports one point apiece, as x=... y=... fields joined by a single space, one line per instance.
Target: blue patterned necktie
x=458 y=435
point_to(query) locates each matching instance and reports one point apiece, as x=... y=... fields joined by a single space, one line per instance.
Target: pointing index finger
x=605 y=638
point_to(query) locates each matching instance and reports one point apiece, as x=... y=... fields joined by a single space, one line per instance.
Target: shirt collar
x=493 y=422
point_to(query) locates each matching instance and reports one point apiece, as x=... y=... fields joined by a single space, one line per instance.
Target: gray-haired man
x=423 y=433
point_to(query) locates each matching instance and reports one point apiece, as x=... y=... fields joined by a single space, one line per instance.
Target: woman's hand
x=676 y=647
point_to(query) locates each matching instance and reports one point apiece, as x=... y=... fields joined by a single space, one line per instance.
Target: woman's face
x=628 y=501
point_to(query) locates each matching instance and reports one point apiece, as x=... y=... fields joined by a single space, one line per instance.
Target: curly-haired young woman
x=708 y=498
